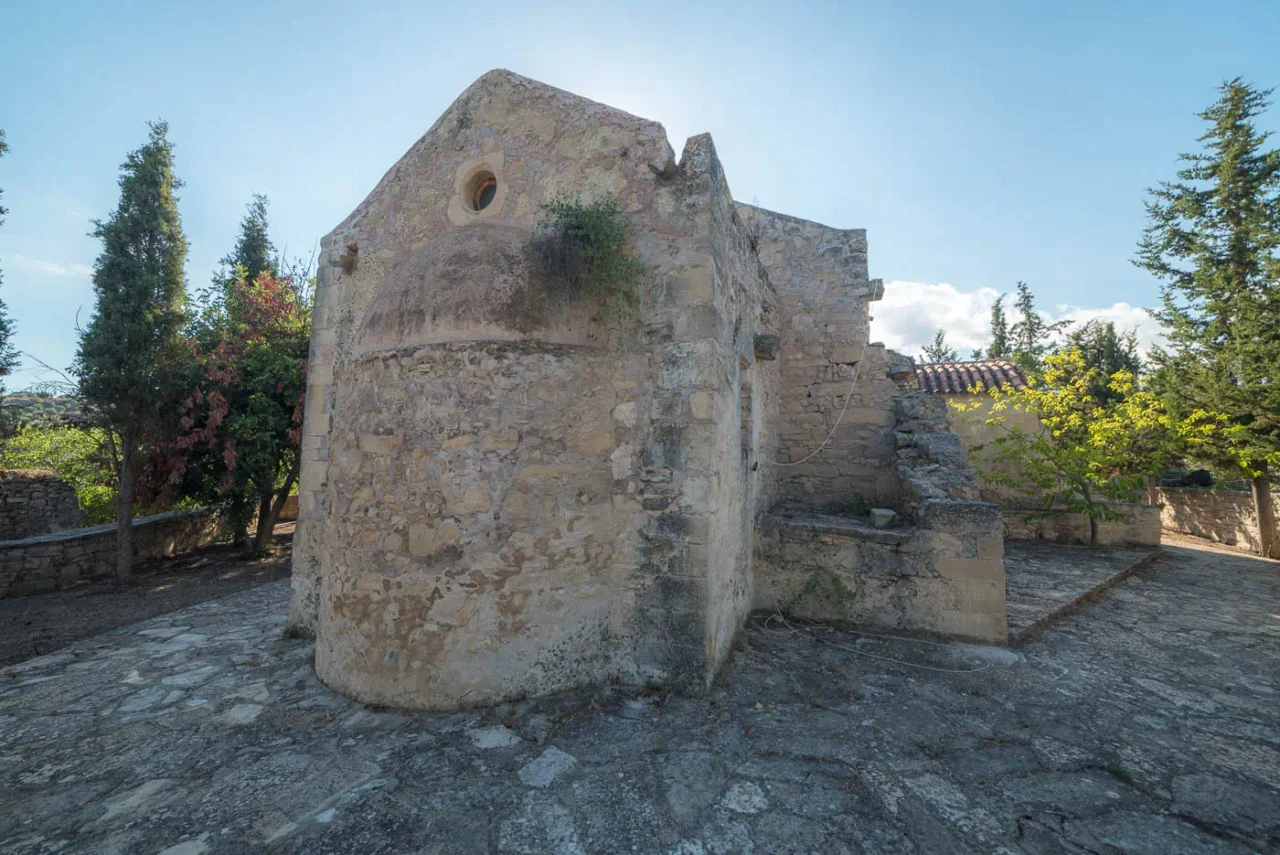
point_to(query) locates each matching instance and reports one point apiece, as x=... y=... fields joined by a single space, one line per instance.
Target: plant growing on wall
x=1087 y=450
x=579 y=250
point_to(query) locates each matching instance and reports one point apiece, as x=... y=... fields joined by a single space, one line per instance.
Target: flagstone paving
x=1144 y=723
x=1047 y=580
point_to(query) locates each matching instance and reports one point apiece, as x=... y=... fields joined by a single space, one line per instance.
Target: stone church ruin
x=505 y=495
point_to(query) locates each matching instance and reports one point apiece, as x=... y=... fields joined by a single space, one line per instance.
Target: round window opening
x=483 y=188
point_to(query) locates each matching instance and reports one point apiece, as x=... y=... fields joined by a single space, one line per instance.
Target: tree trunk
x=1090 y=511
x=267 y=520
x=1266 y=513
x=265 y=524
x=124 y=509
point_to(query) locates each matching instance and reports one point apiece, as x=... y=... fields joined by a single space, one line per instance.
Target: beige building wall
x=976 y=436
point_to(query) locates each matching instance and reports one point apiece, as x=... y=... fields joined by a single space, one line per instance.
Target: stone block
x=883 y=517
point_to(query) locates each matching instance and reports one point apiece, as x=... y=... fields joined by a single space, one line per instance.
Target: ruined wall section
x=35 y=502
x=824 y=292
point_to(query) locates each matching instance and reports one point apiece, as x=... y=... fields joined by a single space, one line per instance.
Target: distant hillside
x=43 y=409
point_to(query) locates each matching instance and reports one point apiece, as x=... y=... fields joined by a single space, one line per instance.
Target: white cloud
x=910 y=313
x=52 y=267
x=1125 y=317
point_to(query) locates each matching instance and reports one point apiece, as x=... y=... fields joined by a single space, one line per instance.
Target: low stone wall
x=1140 y=526
x=945 y=576
x=289 y=513
x=52 y=561
x=1217 y=515
x=34 y=502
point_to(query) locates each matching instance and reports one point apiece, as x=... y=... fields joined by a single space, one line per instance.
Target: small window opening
x=483 y=188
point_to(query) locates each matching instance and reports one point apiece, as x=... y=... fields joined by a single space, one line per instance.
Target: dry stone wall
x=34 y=502
x=37 y=564
x=1139 y=525
x=1217 y=515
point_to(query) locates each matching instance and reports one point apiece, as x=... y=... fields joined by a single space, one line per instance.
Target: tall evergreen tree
x=1031 y=336
x=1213 y=238
x=8 y=351
x=253 y=255
x=131 y=351
x=1108 y=351
x=999 y=347
x=939 y=351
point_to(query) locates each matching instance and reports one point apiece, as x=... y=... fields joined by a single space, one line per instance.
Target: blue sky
x=979 y=142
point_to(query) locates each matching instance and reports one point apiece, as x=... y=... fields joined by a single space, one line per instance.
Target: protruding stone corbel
x=347 y=260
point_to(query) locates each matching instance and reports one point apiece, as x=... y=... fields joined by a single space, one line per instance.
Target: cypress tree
x=131 y=350
x=254 y=254
x=1213 y=238
x=999 y=347
x=1030 y=337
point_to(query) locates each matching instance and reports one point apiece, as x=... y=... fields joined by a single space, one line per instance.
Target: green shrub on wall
x=76 y=455
x=579 y=251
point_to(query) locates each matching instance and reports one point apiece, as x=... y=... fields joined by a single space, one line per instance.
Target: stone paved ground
x=1145 y=723
x=41 y=623
x=1044 y=579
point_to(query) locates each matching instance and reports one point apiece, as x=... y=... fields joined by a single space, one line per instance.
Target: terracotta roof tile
x=955 y=378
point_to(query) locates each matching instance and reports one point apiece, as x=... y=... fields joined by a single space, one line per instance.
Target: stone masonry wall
x=944 y=577
x=37 y=564
x=34 y=502
x=820 y=276
x=1140 y=526
x=502 y=493
x=1217 y=515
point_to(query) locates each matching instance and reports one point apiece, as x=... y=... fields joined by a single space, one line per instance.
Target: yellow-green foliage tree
x=1089 y=449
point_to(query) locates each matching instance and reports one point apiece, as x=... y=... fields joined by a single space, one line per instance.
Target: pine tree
x=9 y=357
x=131 y=350
x=939 y=351
x=1030 y=338
x=1213 y=238
x=1108 y=351
x=254 y=253
x=999 y=347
